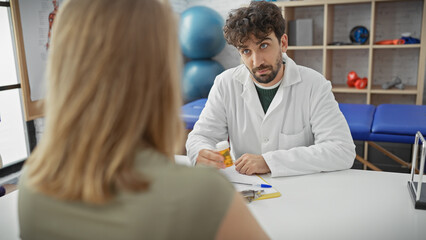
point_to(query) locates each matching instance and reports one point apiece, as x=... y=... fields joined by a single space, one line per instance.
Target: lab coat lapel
x=278 y=98
x=250 y=96
x=291 y=76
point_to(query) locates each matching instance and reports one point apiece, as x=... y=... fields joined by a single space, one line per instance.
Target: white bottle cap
x=222 y=145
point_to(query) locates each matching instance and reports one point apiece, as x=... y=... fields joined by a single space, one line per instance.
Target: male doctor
x=279 y=117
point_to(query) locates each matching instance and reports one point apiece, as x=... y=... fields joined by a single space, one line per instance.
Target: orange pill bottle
x=223 y=148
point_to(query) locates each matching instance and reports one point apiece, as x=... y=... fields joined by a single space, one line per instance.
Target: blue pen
x=254 y=184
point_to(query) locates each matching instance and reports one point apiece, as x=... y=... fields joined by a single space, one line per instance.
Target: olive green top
x=181 y=203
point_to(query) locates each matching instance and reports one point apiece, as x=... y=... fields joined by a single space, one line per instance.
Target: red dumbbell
x=352 y=77
x=361 y=83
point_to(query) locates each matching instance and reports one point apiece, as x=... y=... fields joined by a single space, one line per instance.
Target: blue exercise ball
x=198 y=78
x=200 y=32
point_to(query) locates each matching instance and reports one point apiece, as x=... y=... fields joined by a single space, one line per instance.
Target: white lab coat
x=302 y=132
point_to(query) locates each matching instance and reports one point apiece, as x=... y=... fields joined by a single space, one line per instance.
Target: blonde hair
x=113 y=89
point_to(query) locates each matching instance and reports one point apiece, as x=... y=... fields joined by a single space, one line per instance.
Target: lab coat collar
x=291 y=72
x=249 y=94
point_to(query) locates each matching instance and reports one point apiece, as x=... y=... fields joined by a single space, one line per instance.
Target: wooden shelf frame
x=328 y=9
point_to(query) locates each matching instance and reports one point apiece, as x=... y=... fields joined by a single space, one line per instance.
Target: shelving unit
x=385 y=19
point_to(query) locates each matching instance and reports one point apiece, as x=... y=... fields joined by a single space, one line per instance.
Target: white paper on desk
x=234 y=176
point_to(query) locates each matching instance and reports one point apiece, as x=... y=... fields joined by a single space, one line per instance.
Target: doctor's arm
x=210 y=129
x=333 y=147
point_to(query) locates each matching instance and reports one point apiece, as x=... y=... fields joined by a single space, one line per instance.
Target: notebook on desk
x=234 y=176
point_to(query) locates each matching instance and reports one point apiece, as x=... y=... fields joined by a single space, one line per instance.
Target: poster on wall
x=37 y=18
x=32 y=22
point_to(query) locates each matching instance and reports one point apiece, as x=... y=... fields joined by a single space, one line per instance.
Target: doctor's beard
x=267 y=78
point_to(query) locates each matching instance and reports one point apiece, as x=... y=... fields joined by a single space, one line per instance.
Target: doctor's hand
x=210 y=158
x=250 y=164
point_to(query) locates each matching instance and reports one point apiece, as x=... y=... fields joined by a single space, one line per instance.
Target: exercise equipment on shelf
x=355 y=81
x=396 y=82
x=359 y=35
x=405 y=39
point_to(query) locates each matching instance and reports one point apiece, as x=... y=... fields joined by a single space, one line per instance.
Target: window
x=13 y=130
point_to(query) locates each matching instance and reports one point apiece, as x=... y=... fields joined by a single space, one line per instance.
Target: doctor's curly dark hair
x=258 y=19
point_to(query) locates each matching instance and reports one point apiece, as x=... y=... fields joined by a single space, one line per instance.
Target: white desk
x=352 y=204
x=9 y=216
